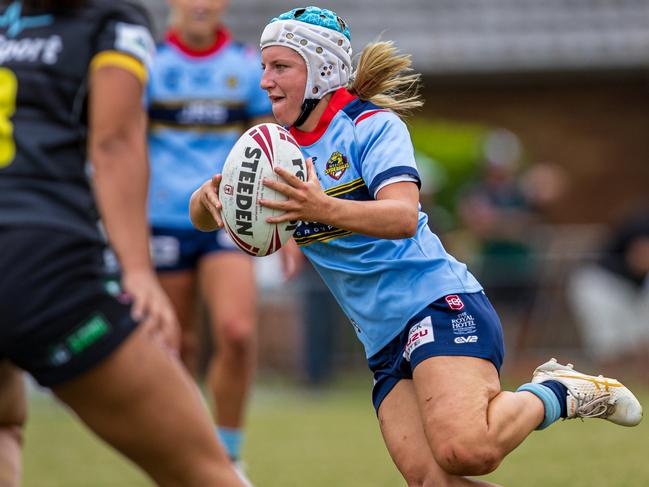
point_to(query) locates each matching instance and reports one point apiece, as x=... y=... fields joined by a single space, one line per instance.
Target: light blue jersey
x=199 y=104
x=380 y=284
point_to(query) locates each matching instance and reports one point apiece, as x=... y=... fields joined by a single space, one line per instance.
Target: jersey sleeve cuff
x=120 y=60
x=392 y=172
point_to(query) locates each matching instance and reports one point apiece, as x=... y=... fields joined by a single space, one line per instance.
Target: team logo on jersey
x=454 y=302
x=336 y=165
x=232 y=81
x=419 y=334
x=171 y=78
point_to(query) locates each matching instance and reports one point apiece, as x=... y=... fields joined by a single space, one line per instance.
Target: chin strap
x=307 y=107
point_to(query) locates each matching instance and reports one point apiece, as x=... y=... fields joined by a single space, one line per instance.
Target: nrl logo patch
x=336 y=165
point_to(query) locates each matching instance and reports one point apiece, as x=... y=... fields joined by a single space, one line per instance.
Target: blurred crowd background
x=534 y=151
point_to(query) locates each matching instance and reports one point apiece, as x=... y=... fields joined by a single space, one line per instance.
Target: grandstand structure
x=478 y=36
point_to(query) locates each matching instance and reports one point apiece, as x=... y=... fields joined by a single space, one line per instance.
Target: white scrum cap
x=322 y=39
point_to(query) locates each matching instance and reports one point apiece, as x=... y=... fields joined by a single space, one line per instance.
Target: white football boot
x=590 y=396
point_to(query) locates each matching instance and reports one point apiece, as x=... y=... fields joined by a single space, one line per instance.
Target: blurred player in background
x=610 y=297
x=431 y=337
x=102 y=355
x=203 y=93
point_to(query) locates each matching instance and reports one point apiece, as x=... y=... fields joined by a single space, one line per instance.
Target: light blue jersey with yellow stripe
x=380 y=284
x=199 y=104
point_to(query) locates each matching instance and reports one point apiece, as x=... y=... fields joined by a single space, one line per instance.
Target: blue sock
x=561 y=392
x=551 y=402
x=231 y=439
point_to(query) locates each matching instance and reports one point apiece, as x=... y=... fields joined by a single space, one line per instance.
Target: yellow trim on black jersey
x=345 y=188
x=322 y=236
x=120 y=60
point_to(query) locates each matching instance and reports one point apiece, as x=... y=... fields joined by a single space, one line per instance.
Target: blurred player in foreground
x=432 y=339
x=202 y=93
x=103 y=356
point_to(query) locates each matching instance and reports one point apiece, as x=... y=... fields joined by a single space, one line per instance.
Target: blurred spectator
x=498 y=213
x=611 y=296
x=544 y=183
x=434 y=178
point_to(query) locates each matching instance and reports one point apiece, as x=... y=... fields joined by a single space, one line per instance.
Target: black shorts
x=57 y=319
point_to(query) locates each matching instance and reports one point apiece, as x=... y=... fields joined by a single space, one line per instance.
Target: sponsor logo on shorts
x=165 y=250
x=419 y=334
x=464 y=324
x=79 y=340
x=454 y=302
x=469 y=339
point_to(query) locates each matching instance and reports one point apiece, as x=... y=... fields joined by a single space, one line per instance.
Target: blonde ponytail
x=381 y=78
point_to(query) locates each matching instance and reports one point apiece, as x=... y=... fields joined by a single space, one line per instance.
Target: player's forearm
x=121 y=181
x=389 y=219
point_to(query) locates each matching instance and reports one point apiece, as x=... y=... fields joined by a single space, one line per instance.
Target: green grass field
x=331 y=439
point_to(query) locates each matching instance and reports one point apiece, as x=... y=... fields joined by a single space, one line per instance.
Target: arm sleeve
x=385 y=151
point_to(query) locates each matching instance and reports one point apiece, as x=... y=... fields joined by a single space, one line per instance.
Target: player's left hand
x=306 y=199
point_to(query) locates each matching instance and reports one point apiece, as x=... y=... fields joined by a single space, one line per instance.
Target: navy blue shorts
x=180 y=249
x=457 y=325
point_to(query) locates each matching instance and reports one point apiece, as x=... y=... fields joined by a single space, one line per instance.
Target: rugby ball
x=253 y=158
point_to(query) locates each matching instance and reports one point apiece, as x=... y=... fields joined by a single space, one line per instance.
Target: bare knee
x=237 y=337
x=467 y=457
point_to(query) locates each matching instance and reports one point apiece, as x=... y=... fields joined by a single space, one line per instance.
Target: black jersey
x=44 y=66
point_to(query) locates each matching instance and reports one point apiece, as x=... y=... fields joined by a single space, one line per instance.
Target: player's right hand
x=152 y=308
x=205 y=207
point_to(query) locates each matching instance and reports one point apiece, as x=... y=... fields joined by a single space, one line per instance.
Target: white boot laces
x=592 y=405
